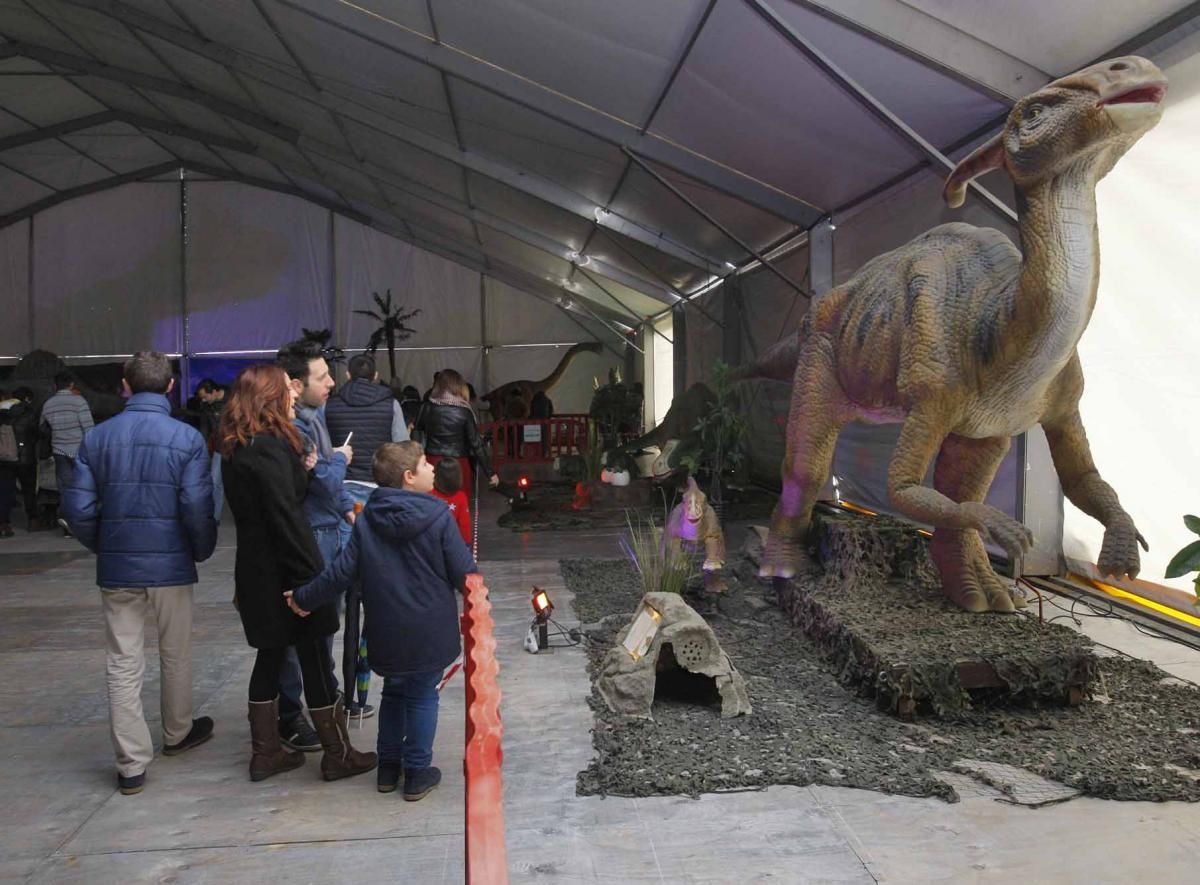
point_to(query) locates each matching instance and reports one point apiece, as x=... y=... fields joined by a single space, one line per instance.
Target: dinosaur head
x=1089 y=118
x=694 y=502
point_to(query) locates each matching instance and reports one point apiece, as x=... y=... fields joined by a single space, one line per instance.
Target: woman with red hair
x=265 y=482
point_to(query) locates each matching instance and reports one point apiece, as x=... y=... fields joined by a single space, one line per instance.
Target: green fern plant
x=1187 y=560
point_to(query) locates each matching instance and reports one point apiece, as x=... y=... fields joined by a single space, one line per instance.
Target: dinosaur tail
x=556 y=376
x=776 y=363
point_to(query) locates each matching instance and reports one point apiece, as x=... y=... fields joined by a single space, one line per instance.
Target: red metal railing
x=537 y=440
x=486 y=855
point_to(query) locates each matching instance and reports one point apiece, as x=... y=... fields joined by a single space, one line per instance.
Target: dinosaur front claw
x=1119 y=555
x=1000 y=528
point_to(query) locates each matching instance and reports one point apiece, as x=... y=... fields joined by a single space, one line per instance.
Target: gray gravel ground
x=1137 y=739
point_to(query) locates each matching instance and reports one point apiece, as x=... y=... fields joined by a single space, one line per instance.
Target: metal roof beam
x=267 y=184
x=935 y=44
x=162 y=85
x=46 y=133
x=84 y=189
x=527 y=236
x=578 y=115
x=868 y=102
x=139 y=121
x=522 y=180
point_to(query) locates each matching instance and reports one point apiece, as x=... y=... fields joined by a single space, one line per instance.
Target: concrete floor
x=202 y=820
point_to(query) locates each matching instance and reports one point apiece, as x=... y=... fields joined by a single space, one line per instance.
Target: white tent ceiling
x=522 y=137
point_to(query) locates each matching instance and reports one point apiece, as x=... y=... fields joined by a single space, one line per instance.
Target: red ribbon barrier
x=486 y=855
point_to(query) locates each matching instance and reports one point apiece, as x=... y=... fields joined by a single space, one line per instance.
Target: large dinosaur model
x=512 y=400
x=967 y=341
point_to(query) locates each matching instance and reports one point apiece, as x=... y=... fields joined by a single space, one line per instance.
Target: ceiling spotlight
x=601 y=213
x=731 y=265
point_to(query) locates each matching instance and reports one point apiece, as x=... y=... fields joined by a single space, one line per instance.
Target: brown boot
x=268 y=755
x=340 y=759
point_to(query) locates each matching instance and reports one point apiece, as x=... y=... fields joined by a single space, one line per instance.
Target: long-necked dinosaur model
x=514 y=397
x=968 y=341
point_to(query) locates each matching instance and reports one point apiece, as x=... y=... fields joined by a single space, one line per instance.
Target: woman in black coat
x=446 y=427
x=265 y=483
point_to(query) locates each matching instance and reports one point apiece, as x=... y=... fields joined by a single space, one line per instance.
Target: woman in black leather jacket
x=447 y=428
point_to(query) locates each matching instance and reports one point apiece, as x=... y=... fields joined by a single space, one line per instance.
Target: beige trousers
x=125 y=664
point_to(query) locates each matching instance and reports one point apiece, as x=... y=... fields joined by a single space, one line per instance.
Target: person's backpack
x=10 y=451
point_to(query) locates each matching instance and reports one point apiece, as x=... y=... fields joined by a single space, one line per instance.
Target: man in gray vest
x=367 y=409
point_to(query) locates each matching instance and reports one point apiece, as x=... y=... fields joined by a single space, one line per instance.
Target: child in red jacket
x=447 y=485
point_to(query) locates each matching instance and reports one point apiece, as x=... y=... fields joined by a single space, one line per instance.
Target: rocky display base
x=874 y=607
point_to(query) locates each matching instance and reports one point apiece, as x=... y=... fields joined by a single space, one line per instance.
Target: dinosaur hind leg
x=812 y=432
x=964 y=472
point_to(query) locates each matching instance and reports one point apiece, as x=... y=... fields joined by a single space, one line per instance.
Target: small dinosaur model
x=693 y=520
x=967 y=341
x=512 y=400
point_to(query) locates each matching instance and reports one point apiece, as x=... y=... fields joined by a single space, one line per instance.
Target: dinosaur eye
x=1034 y=112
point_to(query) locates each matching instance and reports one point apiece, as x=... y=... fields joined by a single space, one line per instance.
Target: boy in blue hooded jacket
x=410 y=558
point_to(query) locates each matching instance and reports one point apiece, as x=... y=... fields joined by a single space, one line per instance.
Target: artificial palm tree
x=324 y=338
x=391 y=326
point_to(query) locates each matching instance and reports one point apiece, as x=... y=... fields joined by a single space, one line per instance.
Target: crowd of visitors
x=328 y=495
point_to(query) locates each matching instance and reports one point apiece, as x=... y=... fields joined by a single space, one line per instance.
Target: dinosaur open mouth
x=1151 y=94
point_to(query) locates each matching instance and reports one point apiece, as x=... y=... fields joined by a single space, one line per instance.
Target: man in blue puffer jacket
x=141 y=499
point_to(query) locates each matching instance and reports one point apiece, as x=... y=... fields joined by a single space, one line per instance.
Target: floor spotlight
x=523 y=488
x=542 y=606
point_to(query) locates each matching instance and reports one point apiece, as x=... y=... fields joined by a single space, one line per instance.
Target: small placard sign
x=531 y=433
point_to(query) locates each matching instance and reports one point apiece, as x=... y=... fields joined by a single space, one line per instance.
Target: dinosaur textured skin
x=966 y=341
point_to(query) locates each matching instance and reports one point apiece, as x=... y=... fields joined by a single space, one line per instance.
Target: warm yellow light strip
x=1175 y=613
x=855 y=508
x=849 y=505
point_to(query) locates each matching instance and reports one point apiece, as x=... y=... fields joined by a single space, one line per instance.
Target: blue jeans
x=218 y=488
x=291 y=683
x=408 y=717
x=64 y=472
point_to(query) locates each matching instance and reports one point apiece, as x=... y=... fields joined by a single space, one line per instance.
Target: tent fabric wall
x=14 y=287
x=106 y=272
x=368 y=261
x=1141 y=402
x=258 y=267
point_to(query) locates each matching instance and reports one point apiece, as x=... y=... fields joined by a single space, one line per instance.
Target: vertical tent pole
x=185 y=360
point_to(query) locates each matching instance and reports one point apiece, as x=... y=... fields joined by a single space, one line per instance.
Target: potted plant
x=1187 y=560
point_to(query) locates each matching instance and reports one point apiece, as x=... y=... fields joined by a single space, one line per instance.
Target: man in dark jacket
x=327 y=506
x=19 y=415
x=407 y=553
x=141 y=500
x=367 y=409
